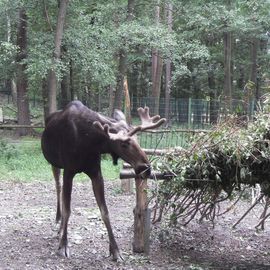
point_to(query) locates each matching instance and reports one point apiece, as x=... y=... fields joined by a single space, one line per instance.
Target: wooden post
x=127 y=183
x=141 y=218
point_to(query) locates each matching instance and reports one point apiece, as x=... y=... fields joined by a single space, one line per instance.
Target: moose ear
x=119 y=115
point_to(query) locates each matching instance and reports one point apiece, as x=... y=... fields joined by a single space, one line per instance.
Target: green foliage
x=7 y=53
x=96 y=32
x=7 y=150
x=226 y=156
x=39 y=57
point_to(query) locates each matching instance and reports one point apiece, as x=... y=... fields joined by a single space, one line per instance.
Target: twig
x=250 y=208
x=193 y=198
x=263 y=216
x=230 y=207
x=262 y=221
x=192 y=216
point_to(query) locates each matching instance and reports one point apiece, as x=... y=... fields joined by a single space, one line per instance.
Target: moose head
x=123 y=140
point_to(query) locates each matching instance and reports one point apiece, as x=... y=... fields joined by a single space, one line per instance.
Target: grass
x=23 y=161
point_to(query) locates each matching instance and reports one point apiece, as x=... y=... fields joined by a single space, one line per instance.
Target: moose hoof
x=55 y=228
x=64 y=251
x=116 y=256
x=57 y=218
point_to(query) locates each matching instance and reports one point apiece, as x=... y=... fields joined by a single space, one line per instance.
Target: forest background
x=120 y=54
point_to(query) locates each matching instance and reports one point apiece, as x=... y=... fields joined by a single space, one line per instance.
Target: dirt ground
x=28 y=236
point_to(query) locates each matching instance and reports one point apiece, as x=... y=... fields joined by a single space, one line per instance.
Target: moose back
x=74 y=139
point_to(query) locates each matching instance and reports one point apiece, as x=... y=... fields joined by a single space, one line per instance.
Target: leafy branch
x=218 y=164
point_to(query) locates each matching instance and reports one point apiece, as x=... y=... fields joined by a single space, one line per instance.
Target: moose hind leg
x=98 y=188
x=65 y=212
x=56 y=174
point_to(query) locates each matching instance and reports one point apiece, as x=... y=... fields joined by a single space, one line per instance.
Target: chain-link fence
x=183 y=113
x=164 y=139
x=194 y=113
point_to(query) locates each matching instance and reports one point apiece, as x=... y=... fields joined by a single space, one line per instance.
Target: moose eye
x=125 y=144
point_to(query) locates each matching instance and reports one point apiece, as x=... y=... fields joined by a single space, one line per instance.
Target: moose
x=74 y=140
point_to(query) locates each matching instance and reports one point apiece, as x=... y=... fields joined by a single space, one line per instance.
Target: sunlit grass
x=23 y=161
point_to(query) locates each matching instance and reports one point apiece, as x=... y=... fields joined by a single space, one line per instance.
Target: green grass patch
x=23 y=161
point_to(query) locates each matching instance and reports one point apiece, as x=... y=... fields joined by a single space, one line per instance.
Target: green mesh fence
x=162 y=139
x=188 y=113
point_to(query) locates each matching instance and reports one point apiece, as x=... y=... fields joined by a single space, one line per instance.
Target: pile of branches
x=219 y=164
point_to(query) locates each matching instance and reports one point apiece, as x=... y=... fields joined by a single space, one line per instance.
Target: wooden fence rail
x=4 y=126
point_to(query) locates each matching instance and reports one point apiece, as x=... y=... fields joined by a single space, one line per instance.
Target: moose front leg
x=65 y=213
x=98 y=188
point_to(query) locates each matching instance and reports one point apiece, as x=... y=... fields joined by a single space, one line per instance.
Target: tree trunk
x=144 y=85
x=71 y=84
x=52 y=79
x=157 y=84
x=122 y=67
x=214 y=105
x=134 y=83
x=154 y=66
x=127 y=101
x=118 y=100
x=45 y=98
x=197 y=105
x=254 y=67
x=130 y=10
x=227 y=39
x=14 y=91
x=64 y=91
x=168 y=67
x=10 y=80
x=241 y=78
x=111 y=101
x=22 y=98
x=157 y=64
x=65 y=97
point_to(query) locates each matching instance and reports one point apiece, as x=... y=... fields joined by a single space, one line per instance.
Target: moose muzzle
x=143 y=170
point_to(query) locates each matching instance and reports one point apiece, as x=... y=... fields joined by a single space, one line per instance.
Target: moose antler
x=106 y=129
x=147 y=121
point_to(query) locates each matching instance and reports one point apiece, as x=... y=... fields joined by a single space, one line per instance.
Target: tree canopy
x=209 y=42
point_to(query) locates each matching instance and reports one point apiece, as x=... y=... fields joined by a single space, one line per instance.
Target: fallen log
x=129 y=173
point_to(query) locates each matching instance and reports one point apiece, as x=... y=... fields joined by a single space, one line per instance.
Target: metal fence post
x=189 y=112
